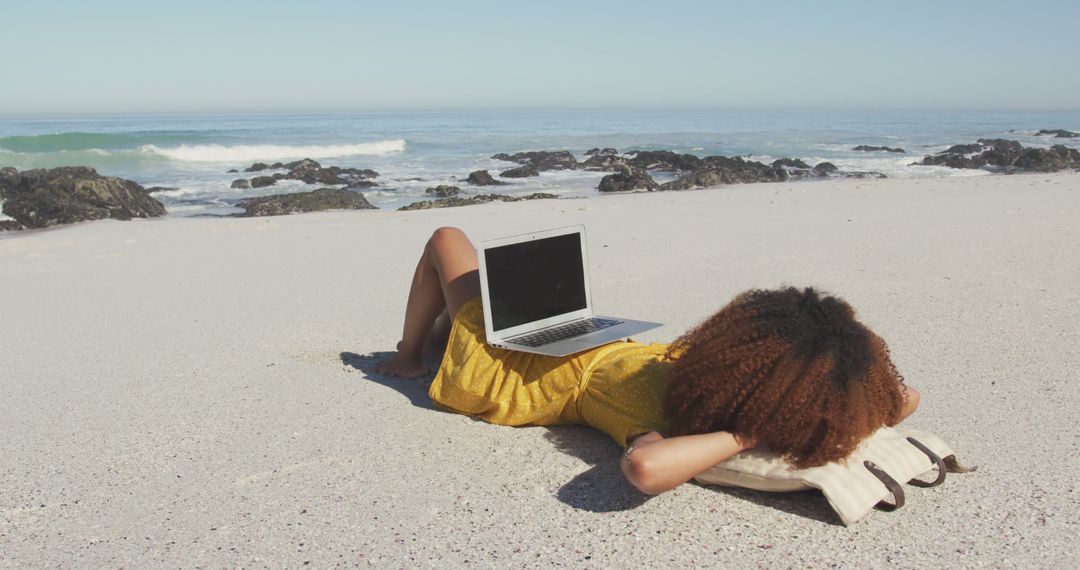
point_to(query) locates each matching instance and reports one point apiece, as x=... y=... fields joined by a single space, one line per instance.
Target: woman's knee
x=448 y=237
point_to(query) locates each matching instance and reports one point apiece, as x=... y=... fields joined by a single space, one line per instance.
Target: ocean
x=416 y=150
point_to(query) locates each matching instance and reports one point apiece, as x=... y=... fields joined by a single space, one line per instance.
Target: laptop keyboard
x=563 y=332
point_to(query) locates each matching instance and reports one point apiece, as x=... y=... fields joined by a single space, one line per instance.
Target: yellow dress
x=617 y=388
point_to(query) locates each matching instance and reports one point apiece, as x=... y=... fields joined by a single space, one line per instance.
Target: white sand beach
x=192 y=392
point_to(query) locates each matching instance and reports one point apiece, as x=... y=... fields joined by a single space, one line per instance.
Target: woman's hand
x=911 y=403
x=655 y=464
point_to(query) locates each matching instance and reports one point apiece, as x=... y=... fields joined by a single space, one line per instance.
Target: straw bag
x=872 y=473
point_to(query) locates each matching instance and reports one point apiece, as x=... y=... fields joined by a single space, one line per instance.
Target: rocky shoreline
x=43 y=198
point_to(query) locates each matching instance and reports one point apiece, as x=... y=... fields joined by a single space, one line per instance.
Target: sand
x=199 y=392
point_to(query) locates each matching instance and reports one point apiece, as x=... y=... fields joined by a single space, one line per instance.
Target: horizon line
x=513 y=110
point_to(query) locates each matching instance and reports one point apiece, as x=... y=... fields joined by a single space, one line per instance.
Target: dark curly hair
x=790 y=369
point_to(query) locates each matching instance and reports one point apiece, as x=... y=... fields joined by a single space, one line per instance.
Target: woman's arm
x=655 y=464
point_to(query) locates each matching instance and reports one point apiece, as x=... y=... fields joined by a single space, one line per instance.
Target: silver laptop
x=535 y=290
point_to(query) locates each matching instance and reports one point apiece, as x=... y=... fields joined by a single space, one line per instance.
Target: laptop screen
x=535 y=280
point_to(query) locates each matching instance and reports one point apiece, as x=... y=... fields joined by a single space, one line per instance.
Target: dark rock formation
x=153 y=189
x=1005 y=155
x=868 y=148
x=1058 y=133
x=717 y=170
x=626 y=179
x=43 y=198
x=602 y=161
x=311 y=172
x=963 y=149
x=443 y=191
x=316 y=200
x=482 y=178
x=664 y=160
x=231 y=171
x=601 y=152
x=520 y=172
x=861 y=174
x=824 y=168
x=541 y=160
x=790 y=163
x=241 y=183
x=263 y=181
x=472 y=200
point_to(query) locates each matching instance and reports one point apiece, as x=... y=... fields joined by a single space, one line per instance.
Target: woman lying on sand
x=789 y=369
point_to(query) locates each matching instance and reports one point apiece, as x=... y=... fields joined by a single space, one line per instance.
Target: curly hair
x=790 y=369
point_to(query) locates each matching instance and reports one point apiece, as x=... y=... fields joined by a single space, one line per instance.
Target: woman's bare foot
x=402 y=367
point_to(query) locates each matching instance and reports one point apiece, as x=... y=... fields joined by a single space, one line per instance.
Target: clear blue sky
x=114 y=56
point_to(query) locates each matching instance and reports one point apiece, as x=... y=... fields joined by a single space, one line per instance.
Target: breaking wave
x=247 y=153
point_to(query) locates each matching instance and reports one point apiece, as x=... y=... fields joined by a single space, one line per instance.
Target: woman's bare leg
x=445 y=279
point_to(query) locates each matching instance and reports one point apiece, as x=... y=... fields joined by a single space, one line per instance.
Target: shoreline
x=185 y=391
x=479 y=191
x=190 y=158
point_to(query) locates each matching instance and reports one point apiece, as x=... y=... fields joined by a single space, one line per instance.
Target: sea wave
x=244 y=153
x=67 y=141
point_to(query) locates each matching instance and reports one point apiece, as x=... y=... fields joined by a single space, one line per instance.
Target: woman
x=789 y=369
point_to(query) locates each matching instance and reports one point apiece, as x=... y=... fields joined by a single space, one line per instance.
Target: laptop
x=535 y=290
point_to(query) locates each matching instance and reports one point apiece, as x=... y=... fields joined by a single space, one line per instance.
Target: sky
x=196 y=56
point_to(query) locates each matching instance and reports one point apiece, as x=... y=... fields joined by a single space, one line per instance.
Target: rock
x=1057 y=157
x=717 y=170
x=664 y=160
x=43 y=198
x=1005 y=155
x=314 y=201
x=443 y=191
x=472 y=200
x=868 y=148
x=331 y=175
x=153 y=189
x=1058 y=133
x=263 y=181
x=311 y=172
x=602 y=162
x=790 y=163
x=482 y=178
x=240 y=183
x=302 y=164
x=825 y=168
x=963 y=149
x=520 y=172
x=601 y=152
x=542 y=160
x=626 y=179
x=861 y=174
x=231 y=171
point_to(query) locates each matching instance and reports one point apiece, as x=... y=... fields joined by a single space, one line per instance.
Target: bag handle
x=941 y=469
x=890 y=484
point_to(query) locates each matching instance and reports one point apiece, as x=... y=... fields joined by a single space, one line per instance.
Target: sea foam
x=245 y=153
